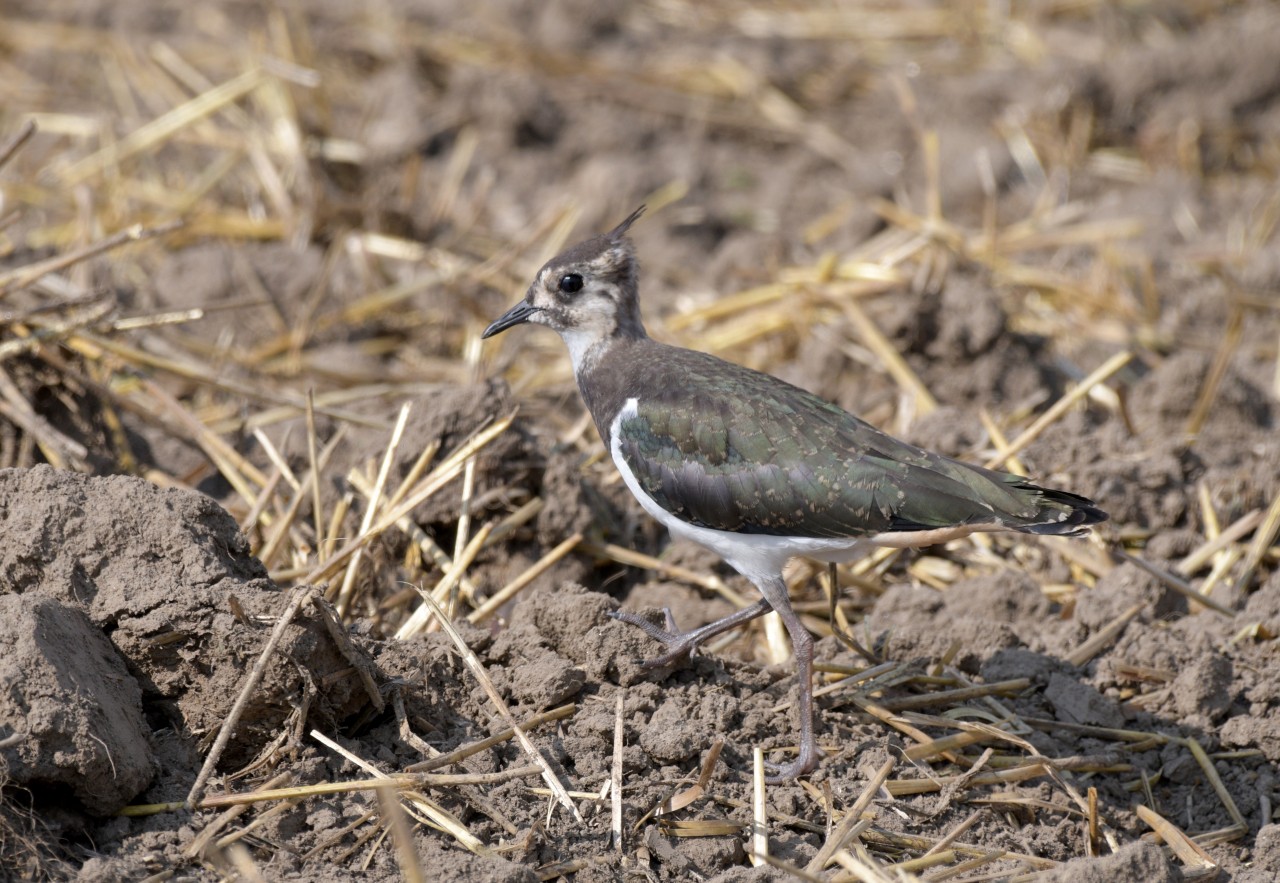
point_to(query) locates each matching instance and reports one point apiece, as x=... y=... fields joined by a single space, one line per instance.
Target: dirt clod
x=1136 y=861
x=77 y=714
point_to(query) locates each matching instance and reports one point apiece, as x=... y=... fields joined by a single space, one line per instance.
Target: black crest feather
x=621 y=230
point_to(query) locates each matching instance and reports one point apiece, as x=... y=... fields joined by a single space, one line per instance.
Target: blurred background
x=941 y=216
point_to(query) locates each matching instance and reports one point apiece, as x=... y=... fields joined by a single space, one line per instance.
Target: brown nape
x=629 y=324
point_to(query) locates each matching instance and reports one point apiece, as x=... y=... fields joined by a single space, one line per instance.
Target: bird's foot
x=680 y=644
x=806 y=760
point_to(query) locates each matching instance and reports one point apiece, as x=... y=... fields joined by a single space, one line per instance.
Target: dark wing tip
x=1071 y=515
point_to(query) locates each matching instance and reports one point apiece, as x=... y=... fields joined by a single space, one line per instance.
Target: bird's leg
x=775 y=592
x=841 y=635
x=682 y=643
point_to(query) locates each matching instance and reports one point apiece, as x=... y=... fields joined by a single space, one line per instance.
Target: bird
x=753 y=468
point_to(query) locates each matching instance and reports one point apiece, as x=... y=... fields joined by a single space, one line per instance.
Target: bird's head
x=588 y=294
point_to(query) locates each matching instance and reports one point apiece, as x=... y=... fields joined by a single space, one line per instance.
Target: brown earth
x=130 y=613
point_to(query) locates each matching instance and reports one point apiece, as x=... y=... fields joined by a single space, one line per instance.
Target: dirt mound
x=132 y=609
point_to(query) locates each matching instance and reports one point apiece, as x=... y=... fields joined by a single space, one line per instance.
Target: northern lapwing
x=755 y=469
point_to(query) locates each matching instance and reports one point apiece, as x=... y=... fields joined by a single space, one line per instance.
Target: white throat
x=583 y=347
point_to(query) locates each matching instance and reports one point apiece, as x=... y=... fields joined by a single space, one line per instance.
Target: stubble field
x=246 y=421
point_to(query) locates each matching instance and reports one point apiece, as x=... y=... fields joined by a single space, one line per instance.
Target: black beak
x=517 y=315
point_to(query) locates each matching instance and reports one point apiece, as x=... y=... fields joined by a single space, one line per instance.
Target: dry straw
x=219 y=153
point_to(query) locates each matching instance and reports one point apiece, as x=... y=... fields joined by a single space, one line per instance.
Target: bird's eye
x=571 y=283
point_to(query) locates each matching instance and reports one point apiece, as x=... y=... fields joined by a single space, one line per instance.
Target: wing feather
x=757 y=455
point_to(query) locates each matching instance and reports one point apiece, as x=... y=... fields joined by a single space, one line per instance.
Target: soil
x=130 y=613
